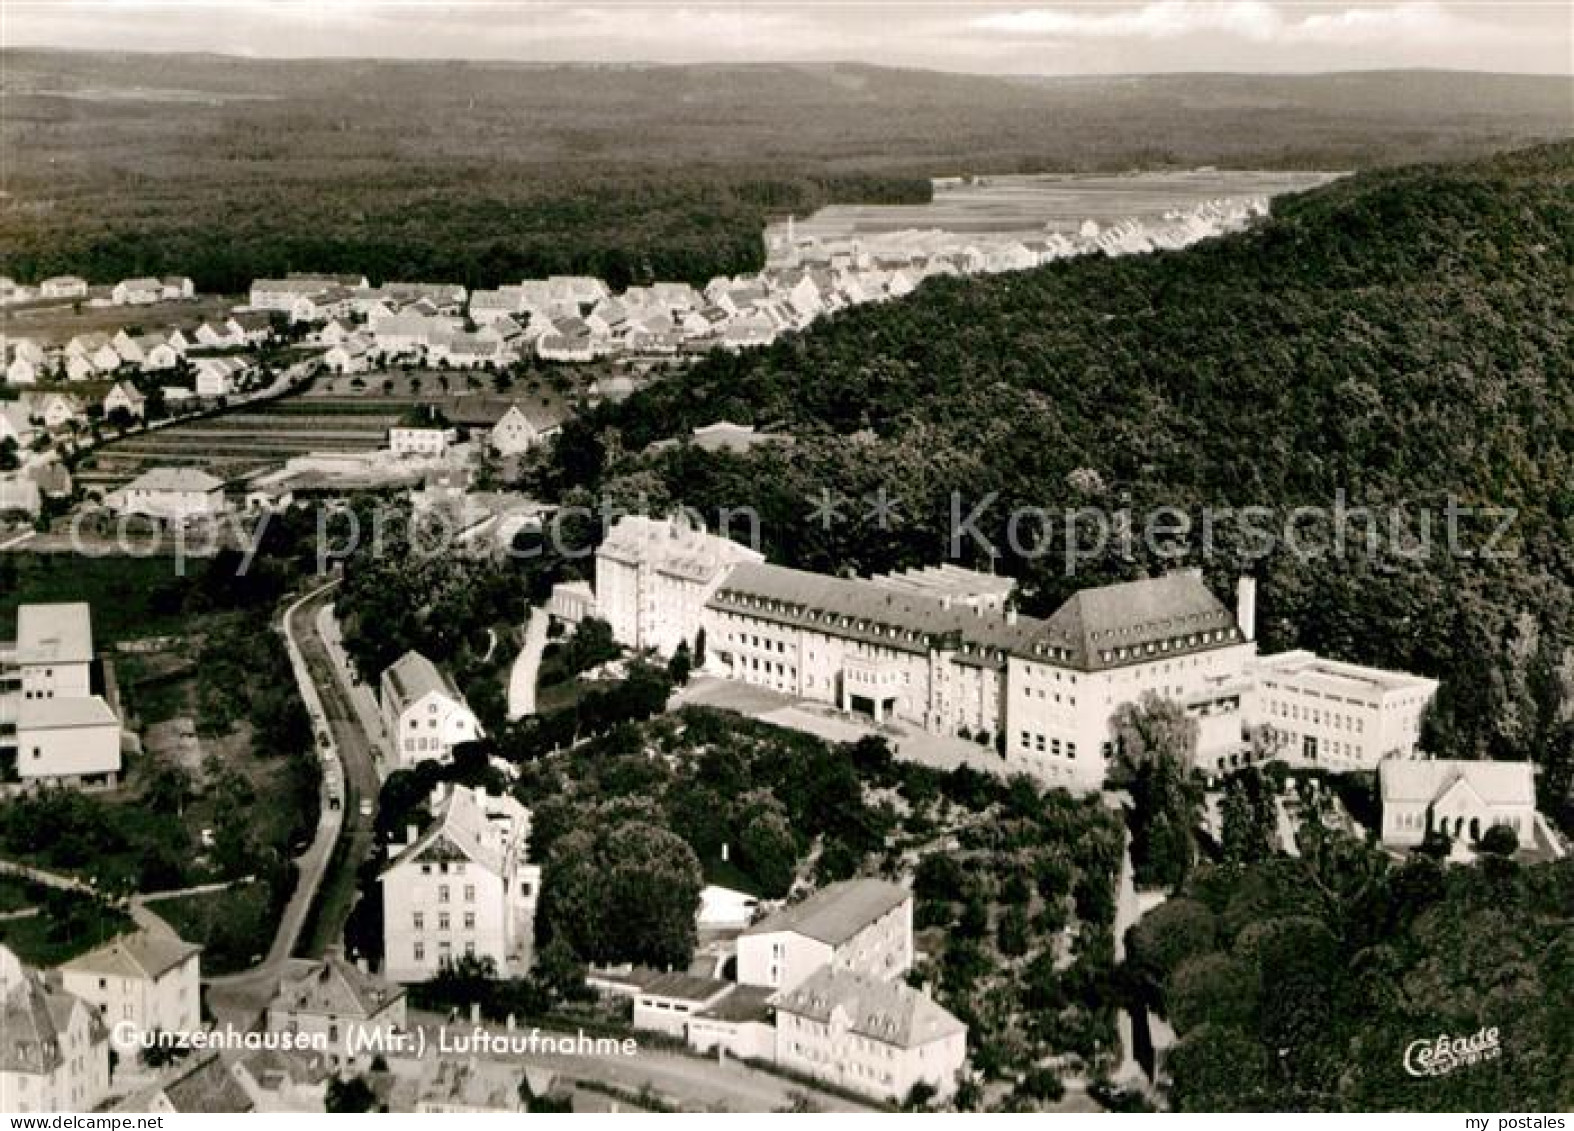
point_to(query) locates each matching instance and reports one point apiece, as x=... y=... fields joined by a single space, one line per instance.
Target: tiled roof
x=892 y=1013
x=683 y=987
x=837 y=912
x=141 y=954
x=1426 y=780
x=476 y=825
x=333 y=986
x=412 y=675
x=180 y=479
x=208 y=1086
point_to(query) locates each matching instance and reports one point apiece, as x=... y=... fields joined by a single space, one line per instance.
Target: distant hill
x=1392 y=340
x=225 y=168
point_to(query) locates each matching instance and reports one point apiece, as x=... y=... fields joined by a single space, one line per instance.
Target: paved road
x=691 y=1083
x=243 y=993
x=522 y=677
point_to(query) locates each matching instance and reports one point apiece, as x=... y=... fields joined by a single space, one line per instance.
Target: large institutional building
x=57 y=729
x=944 y=650
x=54 y=1055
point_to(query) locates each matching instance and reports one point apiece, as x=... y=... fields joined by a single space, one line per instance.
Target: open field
x=489 y=172
x=339 y=414
x=56 y=323
x=66 y=924
x=1037 y=203
x=131 y=597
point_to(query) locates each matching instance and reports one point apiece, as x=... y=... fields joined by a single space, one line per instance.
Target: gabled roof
x=333 y=986
x=892 y=1013
x=175 y=479
x=476 y=826
x=837 y=912
x=141 y=954
x=412 y=675
x=1426 y=781
x=206 y=1086
x=33 y=1017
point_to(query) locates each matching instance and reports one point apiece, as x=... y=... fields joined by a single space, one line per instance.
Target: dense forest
x=1393 y=340
x=227 y=169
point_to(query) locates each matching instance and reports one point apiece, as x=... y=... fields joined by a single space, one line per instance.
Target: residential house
x=80 y=368
x=158 y=353
x=70 y=741
x=54 y=410
x=63 y=286
x=175 y=288
x=424 y=714
x=137 y=292
x=150 y=981
x=202 y=1084
x=219 y=376
x=462 y=887
x=876 y=1037
x=861 y=925
x=338 y=1003
x=171 y=494
x=16 y=423
x=520 y=430
x=348 y=357
x=55 y=1053
x=123 y=396
x=21 y=371
x=1455 y=798
x=419 y=443
x=283 y=1081
x=473 y=1087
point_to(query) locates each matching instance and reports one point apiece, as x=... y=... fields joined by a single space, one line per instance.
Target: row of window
x=445 y=949
x=418 y=920
x=1036 y=742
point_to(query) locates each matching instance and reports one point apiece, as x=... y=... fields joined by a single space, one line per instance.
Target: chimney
x=411 y=834
x=1246 y=606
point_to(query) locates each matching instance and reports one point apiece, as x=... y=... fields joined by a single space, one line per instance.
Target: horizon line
x=756 y=64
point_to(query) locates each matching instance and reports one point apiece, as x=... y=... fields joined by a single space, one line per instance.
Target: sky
x=980 y=36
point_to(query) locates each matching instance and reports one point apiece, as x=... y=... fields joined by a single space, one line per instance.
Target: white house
x=149 y=979
x=419 y=443
x=517 y=431
x=218 y=376
x=339 y=1003
x=424 y=715
x=1456 y=798
x=172 y=494
x=348 y=356
x=124 y=396
x=174 y=288
x=63 y=286
x=55 y=1053
x=462 y=887
x=862 y=925
x=137 y=292
x=21 y=371
x=877 y=1038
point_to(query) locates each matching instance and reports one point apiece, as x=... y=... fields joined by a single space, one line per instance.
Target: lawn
x=67 y=924
x=234 y=926
x=131 y=597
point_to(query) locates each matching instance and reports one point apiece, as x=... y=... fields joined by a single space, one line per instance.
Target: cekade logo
x=1441 y=1056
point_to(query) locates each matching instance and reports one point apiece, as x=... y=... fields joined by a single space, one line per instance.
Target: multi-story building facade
x=864 y=925
x=461 y=888
x=151 y=981
x=424 y=715
x=54 y=1055
x=878 y=1038
x=654 y=577
x=1340 y=716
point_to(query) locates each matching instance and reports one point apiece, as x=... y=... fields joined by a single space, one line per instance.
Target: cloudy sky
x=1120 y=36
